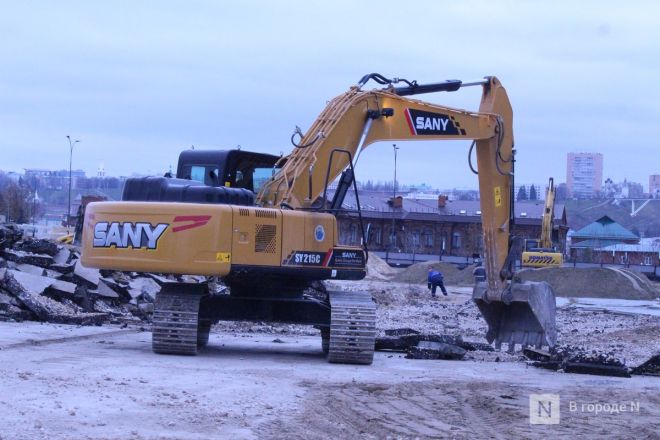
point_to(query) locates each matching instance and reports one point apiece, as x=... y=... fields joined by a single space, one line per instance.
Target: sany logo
x=128 y=234
x=428 y=123
x=422 y=123
x=141 y=234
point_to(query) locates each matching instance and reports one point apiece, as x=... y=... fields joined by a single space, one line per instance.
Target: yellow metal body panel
x=256 y=236
x=203 y=239
x=320 y=232
x=541 y=259
x=196 y=238
x=308 y=231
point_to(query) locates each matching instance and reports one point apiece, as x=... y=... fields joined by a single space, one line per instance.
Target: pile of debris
x=45 y=281
x=427 y=346
x=577 y=359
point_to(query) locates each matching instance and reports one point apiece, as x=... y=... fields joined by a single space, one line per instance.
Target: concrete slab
x=31 y=269
x=62 y=256
x=105 y=291
x=87 y=275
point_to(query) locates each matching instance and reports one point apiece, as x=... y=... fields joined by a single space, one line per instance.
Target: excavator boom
x=354 y=120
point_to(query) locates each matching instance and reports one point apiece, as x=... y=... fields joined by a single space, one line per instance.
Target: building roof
x=622 y=247
x=595 y=244
x=377 y=201
x=604 y=229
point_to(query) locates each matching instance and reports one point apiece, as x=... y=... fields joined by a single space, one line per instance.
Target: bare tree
x=15 y=200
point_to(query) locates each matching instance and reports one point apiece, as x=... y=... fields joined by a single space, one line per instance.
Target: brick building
x=587 y=243
x=435 y=226
x=635 y=254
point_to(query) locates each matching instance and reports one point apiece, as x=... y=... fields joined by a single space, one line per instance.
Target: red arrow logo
x=194 y=221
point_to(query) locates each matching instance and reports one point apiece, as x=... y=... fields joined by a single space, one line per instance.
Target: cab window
x=260 y=176
x=208 y=175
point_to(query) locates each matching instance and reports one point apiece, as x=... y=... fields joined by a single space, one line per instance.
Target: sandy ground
x=263 y=381
x=105 y=383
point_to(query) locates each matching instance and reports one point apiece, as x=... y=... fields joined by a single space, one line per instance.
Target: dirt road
x=62 y=382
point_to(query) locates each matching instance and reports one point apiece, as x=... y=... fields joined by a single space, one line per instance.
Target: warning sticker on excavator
x=223 y=257
x=498 y=196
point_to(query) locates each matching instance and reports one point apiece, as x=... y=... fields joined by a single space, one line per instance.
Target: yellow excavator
x=541 y=252
x=265 y=226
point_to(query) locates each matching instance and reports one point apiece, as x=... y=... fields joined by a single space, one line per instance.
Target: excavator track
x=352 y=328
x=176 y=326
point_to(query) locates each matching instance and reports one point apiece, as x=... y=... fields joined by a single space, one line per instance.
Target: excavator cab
x=228 y=168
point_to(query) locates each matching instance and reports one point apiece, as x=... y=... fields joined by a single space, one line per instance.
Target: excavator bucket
x=525 y=315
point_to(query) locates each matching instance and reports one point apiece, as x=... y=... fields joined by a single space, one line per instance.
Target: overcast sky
x=137 y=82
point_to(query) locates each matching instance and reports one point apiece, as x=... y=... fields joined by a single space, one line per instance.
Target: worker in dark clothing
x=435 y=280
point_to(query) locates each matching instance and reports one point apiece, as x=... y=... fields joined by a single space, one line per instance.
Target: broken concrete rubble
x=9 y=235
x=58 y=288
x=435 y=350
x=37 y=246
x=31 y=269
x=120 y=288
x=408 y=338
x=61 y=289
x=86 y=275
x=18 y=257
x=29 y=289
x=62 y=256
x=66 y=268
x=400 y=332
x=571 y=359
x=144 y=289
x=649 y=368
x=105 y=291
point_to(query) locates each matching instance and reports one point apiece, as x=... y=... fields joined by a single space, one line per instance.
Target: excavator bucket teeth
x=526 y=316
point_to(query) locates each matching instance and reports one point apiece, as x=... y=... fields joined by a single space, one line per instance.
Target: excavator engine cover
x=525 y=316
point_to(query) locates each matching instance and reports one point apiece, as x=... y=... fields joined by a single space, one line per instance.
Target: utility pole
x=68 y=211
x=393 y=241
x=395 y=150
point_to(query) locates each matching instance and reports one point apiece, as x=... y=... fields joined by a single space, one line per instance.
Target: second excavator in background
x=268 y=230
x=542 y=252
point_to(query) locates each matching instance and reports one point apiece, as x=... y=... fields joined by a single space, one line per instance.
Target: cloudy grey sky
x=137 y=82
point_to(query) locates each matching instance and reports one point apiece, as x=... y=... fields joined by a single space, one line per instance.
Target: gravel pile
x=594 y=282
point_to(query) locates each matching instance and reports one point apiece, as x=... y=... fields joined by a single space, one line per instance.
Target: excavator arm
x=522 y=313
x=358 y=118
x=548 y=215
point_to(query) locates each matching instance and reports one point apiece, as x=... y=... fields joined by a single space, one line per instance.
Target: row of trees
x=561 y=193
x=524 y=195
x=17 y=200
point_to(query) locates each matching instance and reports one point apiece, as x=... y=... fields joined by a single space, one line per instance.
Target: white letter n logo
x=544 y=409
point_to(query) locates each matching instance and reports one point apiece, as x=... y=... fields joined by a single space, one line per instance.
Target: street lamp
x=68 y=211
x=393 y=235
x=395 y=150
